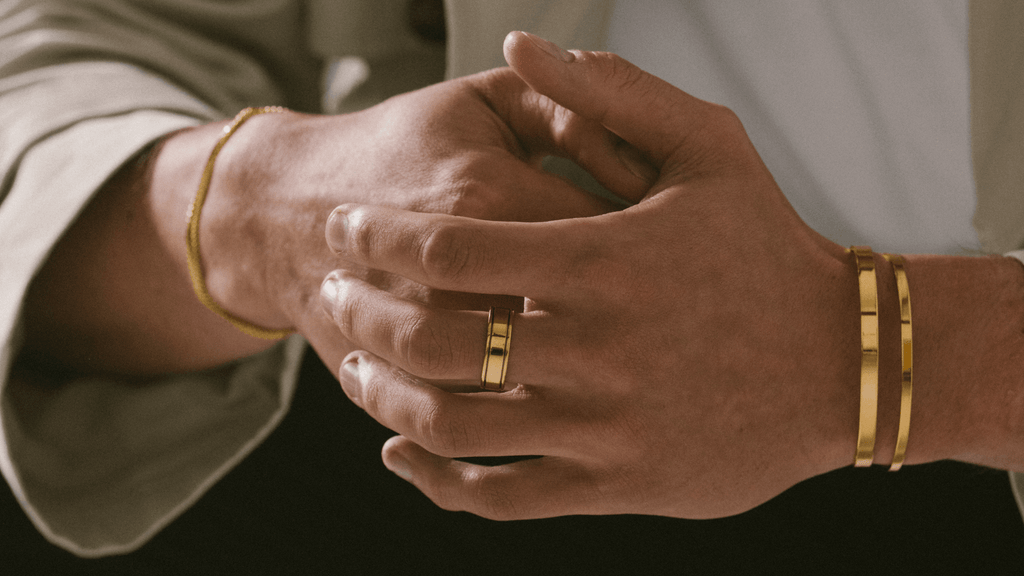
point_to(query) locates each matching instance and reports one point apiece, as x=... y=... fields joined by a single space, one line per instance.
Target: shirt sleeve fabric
x=101 y=464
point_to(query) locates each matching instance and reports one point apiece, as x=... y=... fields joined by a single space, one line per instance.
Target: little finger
x=454 y=425
x=534 y=488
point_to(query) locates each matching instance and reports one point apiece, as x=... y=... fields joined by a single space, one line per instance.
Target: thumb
x=642 y=109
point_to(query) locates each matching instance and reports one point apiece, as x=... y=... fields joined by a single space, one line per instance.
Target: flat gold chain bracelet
x=869 y=356
x=907 y=355
x=195 y=262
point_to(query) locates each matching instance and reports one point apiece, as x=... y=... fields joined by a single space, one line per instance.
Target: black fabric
x=315 y=499
x=426 y=18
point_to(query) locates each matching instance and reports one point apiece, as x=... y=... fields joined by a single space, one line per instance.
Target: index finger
x=644 y=110
x=543 y=126
x=539 y=260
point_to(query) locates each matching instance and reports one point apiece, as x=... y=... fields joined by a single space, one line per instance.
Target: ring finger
x=435 y=343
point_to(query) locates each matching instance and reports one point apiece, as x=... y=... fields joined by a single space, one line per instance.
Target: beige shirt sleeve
x=100 y=464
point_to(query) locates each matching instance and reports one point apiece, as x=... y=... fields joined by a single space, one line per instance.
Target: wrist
x=838 y=344
x=233 y=229
x=831 y=367
x=239 y=250
x=967 y=339
x=968 y=393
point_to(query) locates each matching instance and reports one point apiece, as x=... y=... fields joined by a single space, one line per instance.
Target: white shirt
x=859 y=109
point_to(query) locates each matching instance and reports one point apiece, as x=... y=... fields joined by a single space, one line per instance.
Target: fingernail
x=399 y=465
x=337 y=229
x=349 y=378
x=551 y=48
x=330 y=292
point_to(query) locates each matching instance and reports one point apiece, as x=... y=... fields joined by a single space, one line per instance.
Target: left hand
x=470 y=147
x=115 y=296
x=692 y=356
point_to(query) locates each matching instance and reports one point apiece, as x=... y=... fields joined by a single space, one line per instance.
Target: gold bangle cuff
x=195 y=262
x=869 y=356
x=907 y=354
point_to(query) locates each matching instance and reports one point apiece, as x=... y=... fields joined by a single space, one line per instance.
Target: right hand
x=691 y=356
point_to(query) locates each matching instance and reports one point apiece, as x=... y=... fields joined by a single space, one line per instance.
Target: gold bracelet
x=907 y=381
x=195 y=262
x=869 y=356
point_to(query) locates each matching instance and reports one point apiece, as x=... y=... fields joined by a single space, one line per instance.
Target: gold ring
x=499 y=337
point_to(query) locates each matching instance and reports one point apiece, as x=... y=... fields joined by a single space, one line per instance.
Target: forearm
x=197 y=61
x=115 y=294
x=968 y=400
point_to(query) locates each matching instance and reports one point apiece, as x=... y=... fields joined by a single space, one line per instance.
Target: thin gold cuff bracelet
x=906 y=339
x=869 y=356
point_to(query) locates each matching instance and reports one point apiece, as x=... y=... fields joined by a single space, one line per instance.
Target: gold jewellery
x=867 y=281
x=907 y=355
x=499 y=337
x=195 y=262
x=869 y=356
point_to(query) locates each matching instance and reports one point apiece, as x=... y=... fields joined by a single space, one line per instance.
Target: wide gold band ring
x=499 y=337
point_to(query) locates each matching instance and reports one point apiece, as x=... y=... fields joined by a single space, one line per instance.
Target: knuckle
x=443 y=431
x=725 y=119
x=618 y=74
x=627 y=76
x=623 y=75
x=589 y=267
x=491 y=497
x=471 y=198
x=562 y=123
x=425 y=347
x=447 y=254
x=716 y=140
x=444 y=497
x=608 y=66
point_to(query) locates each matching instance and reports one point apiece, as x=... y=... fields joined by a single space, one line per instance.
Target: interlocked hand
x=693 y=355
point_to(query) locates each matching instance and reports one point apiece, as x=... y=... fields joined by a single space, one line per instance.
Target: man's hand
x=115 y=296
x=470 y=147
x=694 y=355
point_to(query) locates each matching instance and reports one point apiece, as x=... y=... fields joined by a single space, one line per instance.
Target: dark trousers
x=315 y=499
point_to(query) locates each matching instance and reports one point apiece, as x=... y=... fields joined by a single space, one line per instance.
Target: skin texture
x=115 y=296
x=693 y=355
